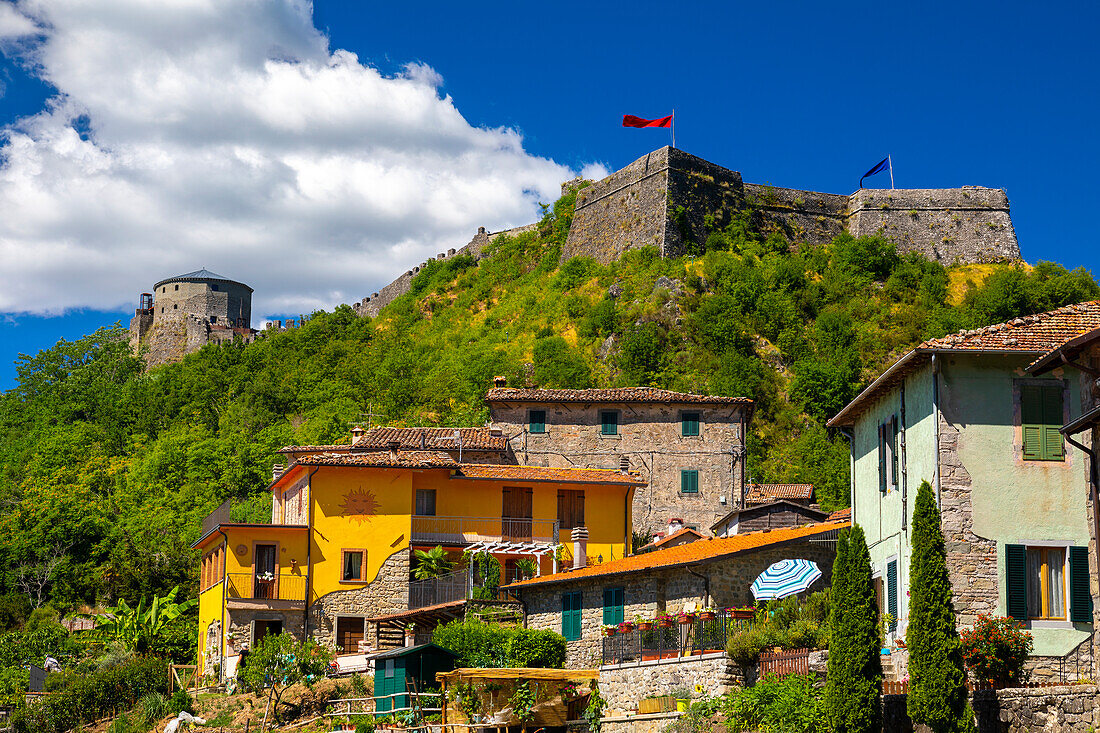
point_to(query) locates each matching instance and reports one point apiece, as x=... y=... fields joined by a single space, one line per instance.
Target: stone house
x=709 y=572
x=962 y=413
x=465 y=445
x=772 y=515
x=336 y=562
x=690 y=448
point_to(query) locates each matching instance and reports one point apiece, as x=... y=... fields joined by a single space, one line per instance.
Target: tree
x=432 y=563
x=139 y=626
x=855 y=671
x=280 y=661
x=937 y=687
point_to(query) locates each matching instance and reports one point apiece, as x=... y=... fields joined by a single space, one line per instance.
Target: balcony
x=469 y=530
x=448 y=589
x=281 y=591
x=699 y=635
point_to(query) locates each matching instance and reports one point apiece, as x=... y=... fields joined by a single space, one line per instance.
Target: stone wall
x=969 y=224
x=622 y=686
x=1069 y=709
x=800 y=216
x=240 y=625
x=170 y=337
x=650 y=437
x=646 y=593
x=387 y=593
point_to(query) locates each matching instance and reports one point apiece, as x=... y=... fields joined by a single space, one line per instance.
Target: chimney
x=580 y=547
x=624 y=464
x=357 y=434
x=393 y=445
x=499 y=381
x=423 y=440
x=674 y=526
x=277 y=471
x=496 y=432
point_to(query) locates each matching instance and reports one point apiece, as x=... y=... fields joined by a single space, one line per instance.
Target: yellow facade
x=327 y=511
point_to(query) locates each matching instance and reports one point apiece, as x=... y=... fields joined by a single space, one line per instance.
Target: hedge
x=479 y=644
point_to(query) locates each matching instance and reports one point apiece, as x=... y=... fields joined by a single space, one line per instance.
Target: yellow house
x=345 y=524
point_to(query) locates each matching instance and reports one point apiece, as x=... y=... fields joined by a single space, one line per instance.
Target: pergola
x=512 y=674
x=512 y=547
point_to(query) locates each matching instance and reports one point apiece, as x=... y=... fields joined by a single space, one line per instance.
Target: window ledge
x=617 y=436
x=355 y=582
x=1050 y=624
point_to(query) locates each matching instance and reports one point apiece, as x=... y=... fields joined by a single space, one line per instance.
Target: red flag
x=632 y=121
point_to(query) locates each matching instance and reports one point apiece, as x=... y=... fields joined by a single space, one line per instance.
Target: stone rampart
x=800 y=216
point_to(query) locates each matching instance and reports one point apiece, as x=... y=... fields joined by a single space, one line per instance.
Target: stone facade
x=1070 y=709
x=241 y=620
x=658 y=590
x=622 y=686
x=387 y=593
x=650 y=439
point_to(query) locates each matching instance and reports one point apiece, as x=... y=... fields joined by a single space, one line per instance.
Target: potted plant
x=644 y=624
x=686 y=618
x=708 y=613
x=625 y=627
x=683 y=698
x=664 y=620
x=609 y=629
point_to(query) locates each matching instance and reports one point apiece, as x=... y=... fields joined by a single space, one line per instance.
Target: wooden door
x=264 y=579
x=516 y=513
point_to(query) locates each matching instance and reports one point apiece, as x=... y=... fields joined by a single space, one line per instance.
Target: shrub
x=790 y=704
x=479 y=644
x=536 y=648
x=745 y=648
x=995 y=650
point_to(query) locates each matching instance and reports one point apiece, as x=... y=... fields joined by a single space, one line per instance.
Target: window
x=570 y=509
x=177 y=287
x=609 y=422
x=892 y=593
x=536 y=421
x=689 y=424
x=425 y=502
x=354 y=565
x=349 y=632
x=571 y=615
x=689 y=481
x=1037 y=587
x=214 y=288
x=612 y=606
x=1040 y=419
x=888 y=455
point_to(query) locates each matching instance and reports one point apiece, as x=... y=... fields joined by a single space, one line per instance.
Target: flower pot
x=664 y=623
x=685 y=620
x=682 y=705
x=626 y=627
x=645 y=625
x=707 y=616
x=609 y=632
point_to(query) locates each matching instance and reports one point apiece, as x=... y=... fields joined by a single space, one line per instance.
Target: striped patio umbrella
x=785 y=578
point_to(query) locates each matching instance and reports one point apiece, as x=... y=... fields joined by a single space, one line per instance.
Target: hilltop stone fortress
x=664 y=199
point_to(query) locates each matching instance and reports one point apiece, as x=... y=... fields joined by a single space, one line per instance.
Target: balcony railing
x=446 y=589
x=467 y=530
x=284 y=587
x=702 y=635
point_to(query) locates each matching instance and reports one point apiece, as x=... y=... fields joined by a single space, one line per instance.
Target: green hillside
x=107 y=470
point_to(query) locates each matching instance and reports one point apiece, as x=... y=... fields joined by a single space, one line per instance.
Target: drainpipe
x=225 y=581
x=309 y=550
x=901 y=462
x=936 y=425
x=851 y=470
x=1094 y=488
x=744 y=455
x=706 y=586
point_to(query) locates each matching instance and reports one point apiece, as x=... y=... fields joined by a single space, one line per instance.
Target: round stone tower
x=205 y=295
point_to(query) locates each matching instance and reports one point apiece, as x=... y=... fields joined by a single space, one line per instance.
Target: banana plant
x=137 y=626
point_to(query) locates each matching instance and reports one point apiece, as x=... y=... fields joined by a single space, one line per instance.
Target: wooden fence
x=890 y=687
x=795 y=661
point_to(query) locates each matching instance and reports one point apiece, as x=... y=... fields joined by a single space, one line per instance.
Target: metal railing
x=466 y=530
x=217 y=517
x=284 y=587
x=703 y=634
x=444 y=589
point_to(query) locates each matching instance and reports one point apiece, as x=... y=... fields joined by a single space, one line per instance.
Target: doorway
x=264 y=579
x=265 y=627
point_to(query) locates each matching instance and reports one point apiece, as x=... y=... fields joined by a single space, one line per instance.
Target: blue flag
x=882 y=165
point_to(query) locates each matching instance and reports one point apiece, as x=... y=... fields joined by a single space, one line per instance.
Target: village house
x=690 y=448
x=771 y=506
x=962 y=413
x=339 y=551
x=707 y=573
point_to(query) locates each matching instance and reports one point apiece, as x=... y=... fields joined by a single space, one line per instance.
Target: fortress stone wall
x=664 y=198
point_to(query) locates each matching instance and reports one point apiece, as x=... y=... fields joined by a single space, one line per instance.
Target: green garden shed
x=408 y=669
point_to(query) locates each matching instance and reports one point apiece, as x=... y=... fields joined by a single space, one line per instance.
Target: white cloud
x=14 y=24
x=226 y=134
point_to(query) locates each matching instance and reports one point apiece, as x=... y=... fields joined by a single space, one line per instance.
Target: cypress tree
x=937 y=678
x=854 y=679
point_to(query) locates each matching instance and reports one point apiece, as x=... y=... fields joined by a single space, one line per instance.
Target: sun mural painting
x=359 y=505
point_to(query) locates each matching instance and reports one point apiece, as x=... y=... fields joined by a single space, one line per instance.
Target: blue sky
x=799 y=95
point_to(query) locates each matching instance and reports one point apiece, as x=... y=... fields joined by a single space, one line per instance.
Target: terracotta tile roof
x=679 y=533
x=690 y=553
x=313 y=449
x=763 y=493
x=1041 y=332
x=382 y=459
x=619 y=394
x=1035 y=334
x=434 y=439
x=841 y=515
x=541 y=473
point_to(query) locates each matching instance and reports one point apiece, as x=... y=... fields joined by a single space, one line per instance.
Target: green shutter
x=1016 y=581
x=1080 y=594
x=609 y=423
x=892 y=592
x=613 y=606
x=895 y=481
x=690 y=424
x=537 y=421
x=1052 y=420
x=689 y=481
x=1031 y=421
x=571 y=615
x=882 y=458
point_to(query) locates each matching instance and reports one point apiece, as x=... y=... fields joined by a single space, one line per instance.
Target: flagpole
x=673 y=127
x=890 y=160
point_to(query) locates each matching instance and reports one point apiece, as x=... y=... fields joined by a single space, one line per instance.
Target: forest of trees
x=107 y=468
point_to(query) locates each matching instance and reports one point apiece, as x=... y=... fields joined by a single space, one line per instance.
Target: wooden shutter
x=1080 y=595
x=1052 y=446
x=1031 y=421
x=609 y=421
x=1016 y=581
x=571 y=615
x=538 y=421
x=690 y=424
x=613 y=605
x=892 y=592
x=882 y=458
x=894 y=480
x=689 y=481
x=570 y=508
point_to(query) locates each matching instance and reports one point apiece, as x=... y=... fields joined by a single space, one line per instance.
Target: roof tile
x=1040 y=332
x=763 y=493
x=689 y=553
x=382 y=459
x=541 y=473
x=619 y=394
x=434 y=439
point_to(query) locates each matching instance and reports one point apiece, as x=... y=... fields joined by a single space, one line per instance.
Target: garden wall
x=625 y=684
x=1066 y=709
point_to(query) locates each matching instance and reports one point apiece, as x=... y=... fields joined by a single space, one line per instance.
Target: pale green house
x=962 y=413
